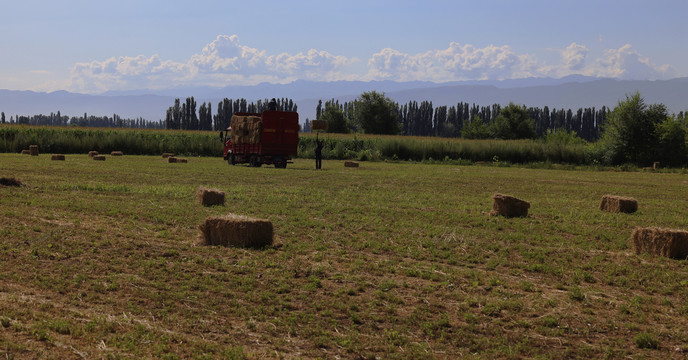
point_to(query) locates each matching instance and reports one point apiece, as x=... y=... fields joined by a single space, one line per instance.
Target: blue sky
x=94 y=46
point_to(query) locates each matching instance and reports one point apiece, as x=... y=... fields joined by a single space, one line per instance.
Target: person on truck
x=318 y=154
x=272 y=105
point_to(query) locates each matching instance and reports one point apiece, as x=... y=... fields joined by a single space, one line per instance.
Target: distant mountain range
x=571 y=92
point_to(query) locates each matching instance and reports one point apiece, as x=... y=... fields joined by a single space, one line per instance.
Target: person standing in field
x=318 y=154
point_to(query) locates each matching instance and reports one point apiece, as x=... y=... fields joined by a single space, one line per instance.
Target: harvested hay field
x=398 y=261
x=210 y=197
x=615 y=204
x=237 y=231
x=509 y=206
x=661 y=242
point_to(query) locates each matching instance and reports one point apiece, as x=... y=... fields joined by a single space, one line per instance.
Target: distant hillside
x=150 y=107
x=571 y=92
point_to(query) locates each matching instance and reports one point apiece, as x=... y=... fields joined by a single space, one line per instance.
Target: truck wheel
x=230 y=160
x=254 y=162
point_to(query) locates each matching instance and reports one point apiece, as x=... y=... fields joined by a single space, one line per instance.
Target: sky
x=94 y=46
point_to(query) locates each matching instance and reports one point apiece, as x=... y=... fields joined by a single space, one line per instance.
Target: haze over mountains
x=571 y=92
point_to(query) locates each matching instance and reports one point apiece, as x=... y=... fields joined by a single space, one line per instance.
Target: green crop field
x=389 y=260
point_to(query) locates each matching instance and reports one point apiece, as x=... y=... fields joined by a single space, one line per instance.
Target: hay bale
x=350 y=164
x=92 y=153
x=661 y=242
x=180 y=160
x=33 y=149
x=613 y=203
x=116 y=153
x=210 y=197
x=171 y=159
x=9 y=181
x=237 y=231
x=57 y=157
x=319 y=125
x=509 y=206
x=26 y=152
x=99 y=157
x=655 y=165
x=167 y=155
x=246 y=129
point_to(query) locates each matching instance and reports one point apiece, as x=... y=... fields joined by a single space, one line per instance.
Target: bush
x=646 y=341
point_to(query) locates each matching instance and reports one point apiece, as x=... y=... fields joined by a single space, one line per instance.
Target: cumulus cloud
x=226 y=61
x=626 y=63
x=457 y=62
x=573 y=56
x=467 y=62
x=221 y=62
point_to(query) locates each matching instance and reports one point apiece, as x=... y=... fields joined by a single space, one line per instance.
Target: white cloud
x=626 y=63
x=223 y=61
x=226 y=61
x=574 y=56
x=457 y=62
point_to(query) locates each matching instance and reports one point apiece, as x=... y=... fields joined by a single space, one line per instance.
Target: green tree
x=513 y=122
x=476 y=129
x=377 y=114
x=3 y=117
x=336 y=122
x=631 y=133
x=671 y=147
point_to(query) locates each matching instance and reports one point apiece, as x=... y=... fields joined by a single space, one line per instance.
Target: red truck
x=268 y=138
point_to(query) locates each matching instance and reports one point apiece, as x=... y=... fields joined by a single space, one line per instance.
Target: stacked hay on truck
x=246 y=129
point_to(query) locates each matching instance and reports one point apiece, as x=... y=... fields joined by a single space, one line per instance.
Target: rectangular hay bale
x=57 y=157
x=210 y=197
x=33 y=149
x=509 y=206
x=167 y=155
x=26 y=152
x=236 y=231
x=92 y=153
x=246 y=129
x=99 y=157
x=116 y=153
x=319 y=125
x=661 y=242
x=613 y=203
x=350 y=164
x=171 y=159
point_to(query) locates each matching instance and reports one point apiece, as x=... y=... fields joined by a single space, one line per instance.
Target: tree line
x=460 y=120
x=633 y=132
x=57 y=119
x=183 y=115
